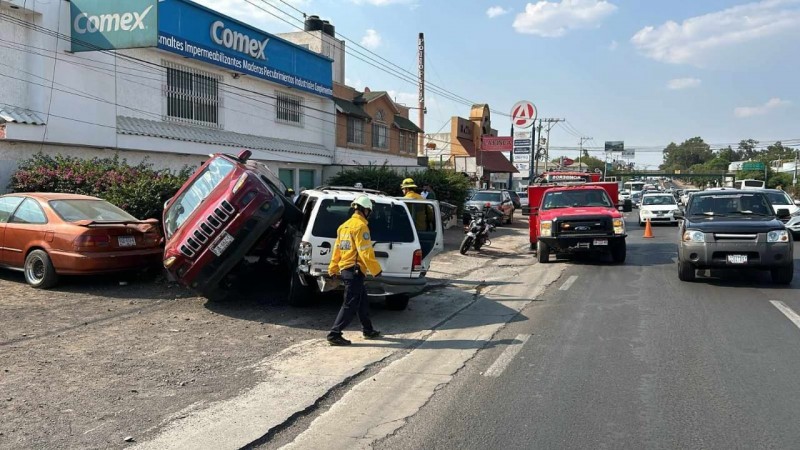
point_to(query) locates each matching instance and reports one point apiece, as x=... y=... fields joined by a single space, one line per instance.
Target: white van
x=748 y=184
x=406 y=234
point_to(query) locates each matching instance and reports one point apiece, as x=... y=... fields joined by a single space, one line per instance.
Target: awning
x=494 y=162
x=350 y=108
x=10 y=114
x=405 y=124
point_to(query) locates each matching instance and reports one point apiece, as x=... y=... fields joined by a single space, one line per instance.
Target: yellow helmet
x=408 y=183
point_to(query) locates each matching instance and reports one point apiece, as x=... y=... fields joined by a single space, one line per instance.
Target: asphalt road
x=629 y=357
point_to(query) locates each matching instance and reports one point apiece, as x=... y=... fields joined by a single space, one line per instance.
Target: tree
x=747 y=149
x=689 y=153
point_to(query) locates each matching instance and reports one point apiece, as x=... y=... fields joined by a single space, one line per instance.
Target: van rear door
x=427 y=219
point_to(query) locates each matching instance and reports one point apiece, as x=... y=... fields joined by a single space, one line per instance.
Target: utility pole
x=580 y=155
x=536 y=150
x=551 y=123
x=421 y=93
x=796 y=159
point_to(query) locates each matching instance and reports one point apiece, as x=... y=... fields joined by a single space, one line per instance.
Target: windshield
x=487 y=197
x=577 y=198
x=728 y=204
x=779 y=198
x=185 y=204
x=96 y=210
x=388 y=223
x=659 y=200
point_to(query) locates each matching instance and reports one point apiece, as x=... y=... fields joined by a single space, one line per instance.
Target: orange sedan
x=47 y=235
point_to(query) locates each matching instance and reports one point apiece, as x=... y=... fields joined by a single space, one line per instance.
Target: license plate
x=223 y=243
x=126 y=241
x=661 y=213
x=601 y=242
x=737 y=259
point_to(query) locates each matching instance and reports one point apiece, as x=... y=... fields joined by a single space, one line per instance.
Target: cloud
x=554 y=19
x=683 y=83
x=750 y=111
x=371 y=40
x=711 y=38
x=405 y=98
x=613 y=45
x=496 y=11
x=384 y=2
x=253 y=14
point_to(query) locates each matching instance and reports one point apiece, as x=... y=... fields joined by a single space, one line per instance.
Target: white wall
x=349 y=157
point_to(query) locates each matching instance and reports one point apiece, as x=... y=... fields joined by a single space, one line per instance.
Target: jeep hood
x=582 y=211
x=736 y=224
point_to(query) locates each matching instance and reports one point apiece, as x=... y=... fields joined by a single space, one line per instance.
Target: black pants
x=355 y=302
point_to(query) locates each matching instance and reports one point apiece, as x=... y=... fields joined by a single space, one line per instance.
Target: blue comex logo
x=103 y=23
x=237 y=41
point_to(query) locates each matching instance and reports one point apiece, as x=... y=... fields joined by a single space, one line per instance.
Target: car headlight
x=778 y=236
x=675 y=211
x=240 y=182
x=619 y=226
x=694 y=236
x=546 y=228
x=646 y=212
x=170 y=261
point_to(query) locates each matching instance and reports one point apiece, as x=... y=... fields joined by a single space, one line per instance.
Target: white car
x=658 y=208
x=523 y=198
x=624 y=195
x=406 y=234
x=686 y=194
x=781 y=200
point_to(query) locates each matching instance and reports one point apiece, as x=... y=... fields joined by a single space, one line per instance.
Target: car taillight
x=152 y=239
x=92 y=241
x=416 y=261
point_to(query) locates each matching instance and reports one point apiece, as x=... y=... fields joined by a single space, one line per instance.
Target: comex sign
x=237 y=41
x=106 y=25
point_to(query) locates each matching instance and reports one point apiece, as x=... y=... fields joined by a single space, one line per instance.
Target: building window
x=412 y=143
x=380 y=136
x=192 y=95
x=355 y=130
x=289 y=108
x=402 y=141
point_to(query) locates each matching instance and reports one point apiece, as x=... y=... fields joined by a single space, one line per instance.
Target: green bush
x=449 y=186
x=140 y=190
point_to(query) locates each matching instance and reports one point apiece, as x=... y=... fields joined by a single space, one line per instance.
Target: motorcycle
x=481 y=223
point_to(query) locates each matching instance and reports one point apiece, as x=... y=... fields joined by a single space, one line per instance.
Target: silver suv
x=406 y=234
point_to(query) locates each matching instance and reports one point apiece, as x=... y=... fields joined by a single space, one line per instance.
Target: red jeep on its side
x=568 y=219
x=229 y=209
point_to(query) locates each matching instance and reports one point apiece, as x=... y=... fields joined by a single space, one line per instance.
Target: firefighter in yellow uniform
x=423 y=216
x=353 y=256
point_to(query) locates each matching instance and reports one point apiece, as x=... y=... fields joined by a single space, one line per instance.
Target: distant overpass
x=661 y=173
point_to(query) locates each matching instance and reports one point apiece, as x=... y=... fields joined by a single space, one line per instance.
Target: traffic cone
x=648 y=230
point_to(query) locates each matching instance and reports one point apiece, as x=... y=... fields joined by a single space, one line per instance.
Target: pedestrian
x=427 y=192
x=353 y=256
x=409 y=189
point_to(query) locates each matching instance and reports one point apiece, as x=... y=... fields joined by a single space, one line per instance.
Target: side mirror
x=797 y=202
x=244 y=155
x=783 y=213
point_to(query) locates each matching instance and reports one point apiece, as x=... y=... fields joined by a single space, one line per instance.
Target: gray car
x=495 y=199
x=734 y=229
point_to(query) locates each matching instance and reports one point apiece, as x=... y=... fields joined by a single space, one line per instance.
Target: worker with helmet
x=353 y=255
x=409 y=189
x=423 y=217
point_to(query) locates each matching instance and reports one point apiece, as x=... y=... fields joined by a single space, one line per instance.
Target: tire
x=465 y=245
x=686 y=271
x=299 y=295
x=397 y=302
x=39 y=270
x=542 y=252
x=783 y=274
x=619 y=252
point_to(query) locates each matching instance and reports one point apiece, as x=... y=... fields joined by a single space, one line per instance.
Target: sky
x=646 y=72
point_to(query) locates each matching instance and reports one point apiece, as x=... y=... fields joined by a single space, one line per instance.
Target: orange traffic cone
x=648 y=230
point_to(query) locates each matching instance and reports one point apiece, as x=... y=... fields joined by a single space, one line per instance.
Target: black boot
x=337 y=340
x=372 y=334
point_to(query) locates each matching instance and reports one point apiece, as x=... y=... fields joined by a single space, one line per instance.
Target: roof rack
x=350 y=189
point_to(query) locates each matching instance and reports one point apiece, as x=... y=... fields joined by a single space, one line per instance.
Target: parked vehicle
x=482 y=222
x=523 y=198
x=407 y=234
x=497 y=199
x=577 y=219
x=658 y=208
x=230 y=214
x=515 y=198
x=734 y=229
x=48 y=235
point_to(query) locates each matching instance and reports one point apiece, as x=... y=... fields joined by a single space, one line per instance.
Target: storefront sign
x=106 y=25
x=522 y=166
x=497 y=144
x=522 y=143
x=463 y=128
x=196 y=32
x=522 y=157
x=521 y=150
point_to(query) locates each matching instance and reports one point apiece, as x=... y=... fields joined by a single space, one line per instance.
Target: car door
x=26 y=227
x=430 y=231
x=8 y=205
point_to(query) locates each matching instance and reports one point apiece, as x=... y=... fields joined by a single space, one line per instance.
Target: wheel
x=397 y=302
x=299 y=295
x=542 y=252
x=686 y=271
x=465 y=245
x=618 y=252
x=39 y=270
x=783 y=275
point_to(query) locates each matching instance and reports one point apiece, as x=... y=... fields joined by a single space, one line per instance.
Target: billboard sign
x=615 y=146
x=522 y=166
x=523 y=114
x=193 y=31
x=497 y=143
x=522 y=157
x=522 y=142
x=522 y=150
x=522 y=135
x=106 y=25
x=628 y=153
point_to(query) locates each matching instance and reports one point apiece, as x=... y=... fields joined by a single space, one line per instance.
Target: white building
x=205 y=85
